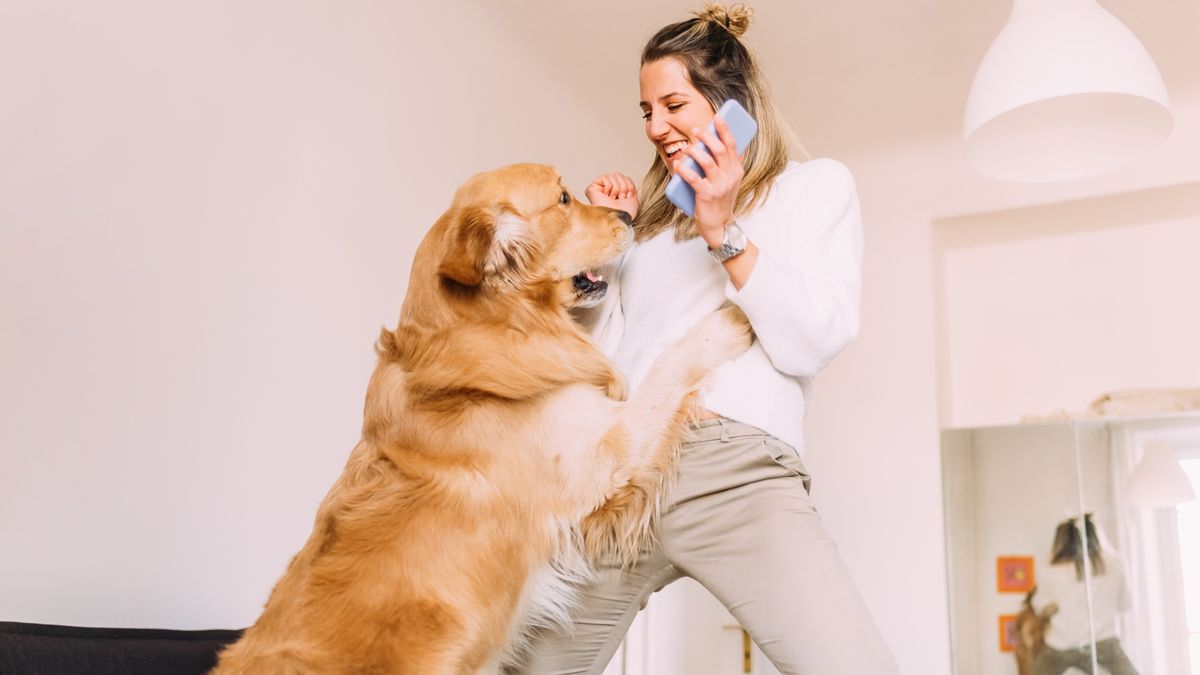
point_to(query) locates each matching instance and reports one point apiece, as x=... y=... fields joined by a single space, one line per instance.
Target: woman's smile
x=671 y=150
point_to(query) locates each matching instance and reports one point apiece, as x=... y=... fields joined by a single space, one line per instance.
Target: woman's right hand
x=616 y=191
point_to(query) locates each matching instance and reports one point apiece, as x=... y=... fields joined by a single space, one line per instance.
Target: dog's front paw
x=722 y=336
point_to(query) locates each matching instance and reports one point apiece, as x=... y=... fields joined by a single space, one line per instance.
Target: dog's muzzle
x=590 y=288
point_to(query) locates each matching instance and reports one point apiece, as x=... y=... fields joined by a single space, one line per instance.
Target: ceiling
x=850 y=75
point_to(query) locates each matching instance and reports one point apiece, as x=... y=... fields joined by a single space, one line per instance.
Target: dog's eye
x=564 y=198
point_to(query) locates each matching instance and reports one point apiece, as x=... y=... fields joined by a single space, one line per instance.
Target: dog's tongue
x=592 y=276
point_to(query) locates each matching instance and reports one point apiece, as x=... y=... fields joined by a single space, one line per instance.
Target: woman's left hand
x=717 y=191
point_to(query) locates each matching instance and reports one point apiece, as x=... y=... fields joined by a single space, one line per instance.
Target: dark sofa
x=40 y=649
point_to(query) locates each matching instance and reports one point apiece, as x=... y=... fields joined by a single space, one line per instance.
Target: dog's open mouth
x=590 y=287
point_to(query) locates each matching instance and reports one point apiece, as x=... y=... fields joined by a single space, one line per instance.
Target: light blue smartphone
x=743 y=127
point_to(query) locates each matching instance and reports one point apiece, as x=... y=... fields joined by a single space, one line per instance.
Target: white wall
x=1048 y=324
x=206 y=212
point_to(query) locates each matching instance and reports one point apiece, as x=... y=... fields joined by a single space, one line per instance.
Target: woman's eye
x=671 y=107
x=564 y=198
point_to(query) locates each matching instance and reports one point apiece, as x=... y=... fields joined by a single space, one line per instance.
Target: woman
x=783 y=241
x=1069 y=638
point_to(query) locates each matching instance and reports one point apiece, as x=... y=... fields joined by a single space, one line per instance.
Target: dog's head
x=518 y=229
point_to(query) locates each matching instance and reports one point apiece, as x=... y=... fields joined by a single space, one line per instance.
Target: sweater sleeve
x=803 y=298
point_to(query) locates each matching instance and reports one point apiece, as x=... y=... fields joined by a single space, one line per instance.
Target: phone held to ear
x=743 y=127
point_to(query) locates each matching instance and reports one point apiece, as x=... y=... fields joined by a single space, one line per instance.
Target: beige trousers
x=740 y=522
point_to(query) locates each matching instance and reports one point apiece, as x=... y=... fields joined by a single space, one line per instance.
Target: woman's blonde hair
x=720 y=67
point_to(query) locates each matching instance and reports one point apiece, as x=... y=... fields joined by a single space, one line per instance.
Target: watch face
x=732 y=245
x=734 y=235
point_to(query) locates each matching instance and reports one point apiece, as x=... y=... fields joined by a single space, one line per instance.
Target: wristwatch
x=732 y=246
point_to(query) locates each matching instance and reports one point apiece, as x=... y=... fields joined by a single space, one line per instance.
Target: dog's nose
x=625 y=217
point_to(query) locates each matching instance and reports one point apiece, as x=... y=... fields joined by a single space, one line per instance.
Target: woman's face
x=672 y=107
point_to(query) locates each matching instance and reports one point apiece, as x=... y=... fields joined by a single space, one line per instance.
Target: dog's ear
x=484 y=241
x=470 y=239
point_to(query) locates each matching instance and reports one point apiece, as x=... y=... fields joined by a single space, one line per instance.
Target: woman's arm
x=803 y=301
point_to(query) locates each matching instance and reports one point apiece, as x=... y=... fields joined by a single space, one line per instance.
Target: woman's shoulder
x=814 y=186
x=823 y=175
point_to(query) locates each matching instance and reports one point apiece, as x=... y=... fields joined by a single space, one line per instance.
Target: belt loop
x=724 y=430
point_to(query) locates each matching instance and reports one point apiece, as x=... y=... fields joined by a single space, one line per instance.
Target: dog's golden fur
x=497 y=455
x=1031 y=627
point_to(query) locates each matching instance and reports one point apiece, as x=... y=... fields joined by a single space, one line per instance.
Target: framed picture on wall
x=1014 y=573
x=1009 y=638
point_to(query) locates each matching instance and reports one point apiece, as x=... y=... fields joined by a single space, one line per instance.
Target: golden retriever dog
x=497 y=457
x=1031 y=628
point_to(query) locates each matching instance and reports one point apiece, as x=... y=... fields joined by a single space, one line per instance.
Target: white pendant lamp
x=1065 y=91
x=1158 y=481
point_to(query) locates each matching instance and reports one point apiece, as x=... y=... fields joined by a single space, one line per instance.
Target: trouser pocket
x=785 y=456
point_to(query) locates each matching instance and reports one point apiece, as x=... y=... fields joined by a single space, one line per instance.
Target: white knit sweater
x=802 y=298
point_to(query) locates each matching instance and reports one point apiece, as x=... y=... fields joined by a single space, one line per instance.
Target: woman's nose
x=657 y=130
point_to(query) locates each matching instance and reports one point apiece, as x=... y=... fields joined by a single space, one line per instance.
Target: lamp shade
x=1065 y=91
x=1158 y=481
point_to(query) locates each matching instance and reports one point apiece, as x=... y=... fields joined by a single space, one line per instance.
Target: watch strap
x=733 y=245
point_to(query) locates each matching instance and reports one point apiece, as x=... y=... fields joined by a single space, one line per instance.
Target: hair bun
x=735 y=18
